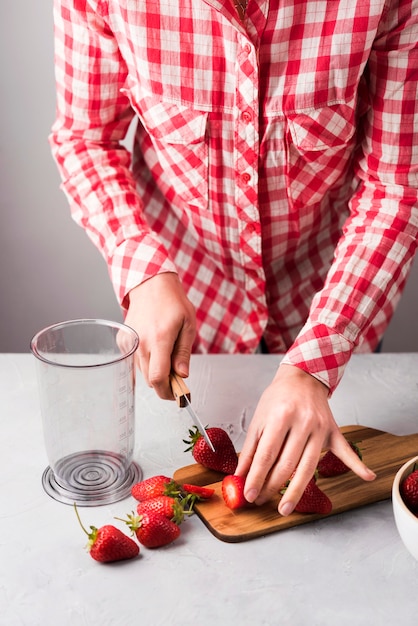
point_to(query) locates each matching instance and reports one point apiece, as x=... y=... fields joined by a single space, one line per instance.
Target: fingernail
x=183 y=369
x=286 y=508
x=251 y=495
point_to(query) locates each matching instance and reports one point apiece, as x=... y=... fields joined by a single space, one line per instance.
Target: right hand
x=165 y=320
x=292 y=423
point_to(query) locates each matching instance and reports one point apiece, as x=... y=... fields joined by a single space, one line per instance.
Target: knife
x=182 y=395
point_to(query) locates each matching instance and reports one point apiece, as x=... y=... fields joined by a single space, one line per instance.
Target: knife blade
x=183 y=398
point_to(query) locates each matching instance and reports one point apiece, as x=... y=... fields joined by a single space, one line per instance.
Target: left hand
x=165 y=320
x=291 y=425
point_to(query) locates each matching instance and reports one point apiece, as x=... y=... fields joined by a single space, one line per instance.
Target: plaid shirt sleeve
x=373 y=257
x=93 y=117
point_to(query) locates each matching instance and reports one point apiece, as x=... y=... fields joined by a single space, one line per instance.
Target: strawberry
x=108 y=543
x=330 y=465
x=409 y=490
x=152 y=529
x=170 y=507
x=224 y=459
x=313 y=499
x=155 y=486
x=233 y=491
x=202 y=493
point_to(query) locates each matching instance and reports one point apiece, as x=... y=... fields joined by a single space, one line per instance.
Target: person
x=271 y=198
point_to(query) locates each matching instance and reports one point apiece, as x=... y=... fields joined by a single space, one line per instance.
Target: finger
x=298 y=444
x=287 y=461
x=342 y=449
x=264 y=458
x=307 y=466
x=303 y=473
x=246 y=455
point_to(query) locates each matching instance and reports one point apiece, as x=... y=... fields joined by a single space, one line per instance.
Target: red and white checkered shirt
x=275 y=162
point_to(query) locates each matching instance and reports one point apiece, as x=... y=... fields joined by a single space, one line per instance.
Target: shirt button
x=246 y=116
x=247 y=48
x=245 y=177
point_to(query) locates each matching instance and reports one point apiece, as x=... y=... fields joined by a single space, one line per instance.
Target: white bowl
x=406 y=521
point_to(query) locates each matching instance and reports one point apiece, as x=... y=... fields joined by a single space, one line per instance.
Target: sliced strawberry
x=233 y=491
x=203 y=493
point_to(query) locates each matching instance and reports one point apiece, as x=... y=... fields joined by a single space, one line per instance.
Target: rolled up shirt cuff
x=321 y=352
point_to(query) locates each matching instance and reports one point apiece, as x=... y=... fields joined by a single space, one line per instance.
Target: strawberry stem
x=79 y=520
x=91 y=535
x=133 y=521
x=188 y=502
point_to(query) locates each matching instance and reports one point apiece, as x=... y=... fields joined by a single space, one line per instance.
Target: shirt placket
x=246 y=174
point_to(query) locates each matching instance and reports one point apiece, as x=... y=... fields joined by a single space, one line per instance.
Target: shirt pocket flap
x=318 y=129
x=172 y=123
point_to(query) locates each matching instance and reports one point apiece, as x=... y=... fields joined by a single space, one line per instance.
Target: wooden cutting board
x=383 y=452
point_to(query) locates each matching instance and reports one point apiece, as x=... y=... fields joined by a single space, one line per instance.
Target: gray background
x=49 y=270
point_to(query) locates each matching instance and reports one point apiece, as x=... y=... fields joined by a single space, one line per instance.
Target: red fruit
x=108 y=543
x=409 y=491
x=330 y=465
x=170 y=507
x=233 y=491
x=314 y=500
x=224 y=459
x=155 y=486
x=152 y=530
x=202 y=493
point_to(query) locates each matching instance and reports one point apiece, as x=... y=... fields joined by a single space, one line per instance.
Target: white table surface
x=348 y=569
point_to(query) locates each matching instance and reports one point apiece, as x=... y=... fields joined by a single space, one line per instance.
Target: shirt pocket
x=319 y=148
x=174 y=145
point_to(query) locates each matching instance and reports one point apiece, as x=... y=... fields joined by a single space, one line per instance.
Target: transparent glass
x=86 y=380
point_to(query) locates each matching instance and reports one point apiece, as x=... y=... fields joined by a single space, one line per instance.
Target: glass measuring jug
x=86 y=381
